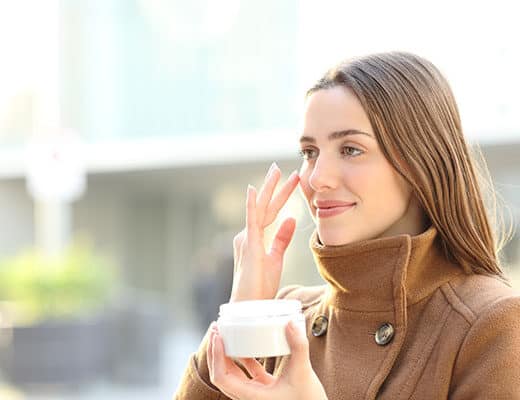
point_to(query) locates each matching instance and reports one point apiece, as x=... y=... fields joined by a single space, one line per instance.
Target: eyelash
x=303 y=152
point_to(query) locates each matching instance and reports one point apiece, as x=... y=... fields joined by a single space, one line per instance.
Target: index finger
x=281 y=198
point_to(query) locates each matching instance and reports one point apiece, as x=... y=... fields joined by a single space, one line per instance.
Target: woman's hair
x=416 y=122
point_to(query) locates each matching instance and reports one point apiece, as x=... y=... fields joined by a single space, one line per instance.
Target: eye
x=349 y=151
x=308 y=153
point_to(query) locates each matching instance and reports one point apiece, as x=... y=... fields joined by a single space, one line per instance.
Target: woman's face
x=352 y=191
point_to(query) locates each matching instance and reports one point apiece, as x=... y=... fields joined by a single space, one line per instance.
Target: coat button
x=319 y=326
x=384 y=334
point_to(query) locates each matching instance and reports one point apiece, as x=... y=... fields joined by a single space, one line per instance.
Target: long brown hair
x=415 y=118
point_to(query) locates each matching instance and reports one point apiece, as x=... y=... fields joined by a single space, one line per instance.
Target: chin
x=337 y=236
x=329 y=238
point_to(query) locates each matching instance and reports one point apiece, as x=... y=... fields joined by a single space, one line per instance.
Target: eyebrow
x=336 y=135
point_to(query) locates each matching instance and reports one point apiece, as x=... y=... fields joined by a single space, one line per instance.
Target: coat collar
x=383 y=274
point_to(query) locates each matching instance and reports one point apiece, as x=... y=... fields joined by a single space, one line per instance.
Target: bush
x=74 y=283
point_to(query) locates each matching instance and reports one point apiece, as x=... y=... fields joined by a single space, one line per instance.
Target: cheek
x=372 y=182
x=387 y=190
x=360 y=182
x=403 y=191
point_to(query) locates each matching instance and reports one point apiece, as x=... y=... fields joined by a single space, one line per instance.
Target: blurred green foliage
x=74 y=283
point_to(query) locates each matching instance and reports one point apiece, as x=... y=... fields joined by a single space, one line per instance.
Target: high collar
x=383 y=274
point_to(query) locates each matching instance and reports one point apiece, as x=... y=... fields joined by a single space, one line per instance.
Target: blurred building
x=169 y=100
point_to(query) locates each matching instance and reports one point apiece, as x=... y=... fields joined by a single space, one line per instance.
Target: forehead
x=334 y=109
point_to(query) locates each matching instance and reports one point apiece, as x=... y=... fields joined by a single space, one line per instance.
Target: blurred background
x=129 y=130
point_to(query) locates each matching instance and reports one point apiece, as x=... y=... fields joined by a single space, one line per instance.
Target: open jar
x=256 y=328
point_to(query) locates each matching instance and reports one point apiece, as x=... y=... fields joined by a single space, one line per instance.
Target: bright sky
x=29 y=50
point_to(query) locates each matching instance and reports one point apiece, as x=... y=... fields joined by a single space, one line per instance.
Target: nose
x=323 y=175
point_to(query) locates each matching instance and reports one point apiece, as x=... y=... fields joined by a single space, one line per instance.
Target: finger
x=209 y=355
x=299 y=345
x=281 y=197
x=266 y=192
x=251 y=220
x=219 y=366
x=226 y=363
x=283 y=237
x=213 y=326
x=229 y=378
x=237 y=243
x=211 y=365
x=256 y=370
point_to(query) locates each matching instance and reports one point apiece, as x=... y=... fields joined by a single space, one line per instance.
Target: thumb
x=299 y=345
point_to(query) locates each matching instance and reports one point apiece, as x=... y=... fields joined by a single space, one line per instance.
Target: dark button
x=384 y=334
x=319 y=326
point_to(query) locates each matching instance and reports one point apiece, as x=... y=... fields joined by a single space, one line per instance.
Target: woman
x=415 y=304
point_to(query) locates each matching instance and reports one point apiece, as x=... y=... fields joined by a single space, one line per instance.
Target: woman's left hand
x=298 y=381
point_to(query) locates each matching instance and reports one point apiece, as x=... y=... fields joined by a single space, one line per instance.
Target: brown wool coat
x=457 y=336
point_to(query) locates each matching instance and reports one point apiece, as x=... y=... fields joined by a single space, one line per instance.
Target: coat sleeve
x=488 y=363
x=195 y=383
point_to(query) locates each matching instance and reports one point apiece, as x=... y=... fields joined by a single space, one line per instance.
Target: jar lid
x=260 y=308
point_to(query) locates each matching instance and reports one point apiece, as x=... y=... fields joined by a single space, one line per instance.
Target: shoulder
x=487 y=364
x=475 y=296
x=308 y=295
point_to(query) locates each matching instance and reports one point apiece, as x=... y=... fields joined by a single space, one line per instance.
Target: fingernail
x=272 y=168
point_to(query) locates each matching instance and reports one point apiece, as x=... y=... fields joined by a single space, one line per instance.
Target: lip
x=324 y=204
x=332 y=211
x=330 y=208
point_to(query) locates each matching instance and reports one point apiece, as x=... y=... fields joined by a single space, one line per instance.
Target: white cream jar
x=256 y=328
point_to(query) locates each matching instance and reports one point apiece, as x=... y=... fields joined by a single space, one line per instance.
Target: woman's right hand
x=257 y=273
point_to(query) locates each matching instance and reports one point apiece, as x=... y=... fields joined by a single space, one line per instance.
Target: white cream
x=256 y=328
